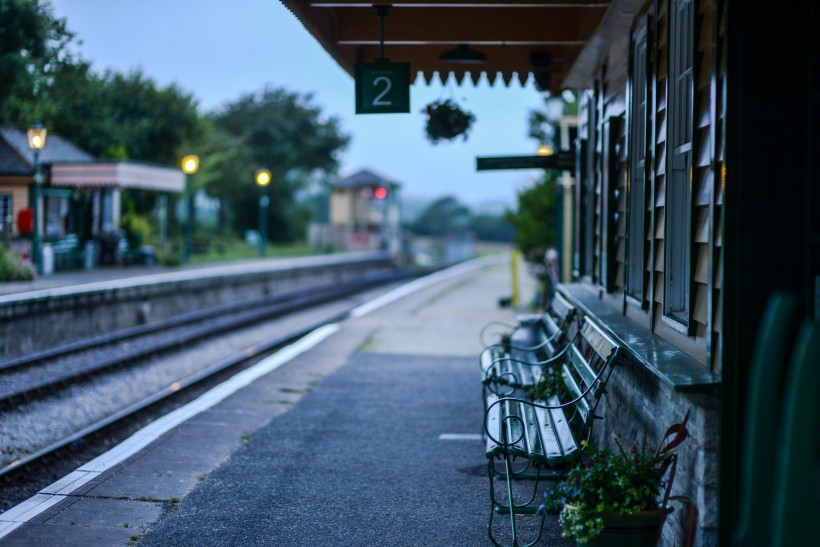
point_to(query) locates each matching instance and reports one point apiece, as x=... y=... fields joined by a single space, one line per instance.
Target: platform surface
x=368 y=438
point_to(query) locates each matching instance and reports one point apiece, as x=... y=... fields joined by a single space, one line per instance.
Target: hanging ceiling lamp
x=463 y=54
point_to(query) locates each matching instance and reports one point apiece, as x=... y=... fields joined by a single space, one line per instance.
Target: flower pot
x=640 y=530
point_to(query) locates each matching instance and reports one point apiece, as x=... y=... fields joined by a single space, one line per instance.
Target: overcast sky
x=218 y=50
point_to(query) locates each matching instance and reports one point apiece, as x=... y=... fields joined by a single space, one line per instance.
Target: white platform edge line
x=460 y=437
x=48 y=497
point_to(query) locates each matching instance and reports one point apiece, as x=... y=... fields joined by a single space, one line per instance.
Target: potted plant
x=446 y=121
x=618 y=498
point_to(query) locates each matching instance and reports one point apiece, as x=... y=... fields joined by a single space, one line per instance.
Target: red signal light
x=380 y=193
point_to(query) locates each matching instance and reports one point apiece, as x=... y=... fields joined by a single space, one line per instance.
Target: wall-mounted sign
x=382 y=87
x=563 y=160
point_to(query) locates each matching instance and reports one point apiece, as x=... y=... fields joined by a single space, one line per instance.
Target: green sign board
x=563 y=160
x=382 y=88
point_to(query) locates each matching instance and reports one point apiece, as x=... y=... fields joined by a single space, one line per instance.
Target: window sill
x=671 y=365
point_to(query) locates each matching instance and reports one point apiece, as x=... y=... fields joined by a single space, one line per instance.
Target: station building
x=696 y=195
x=362 y=214
x=79 y=196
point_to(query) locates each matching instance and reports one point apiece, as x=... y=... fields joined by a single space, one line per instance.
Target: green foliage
x=492 y=228
x=12 y=268
x=534 y=219
x=113 y=115
x=275 y=129
x=446 y=121
x=284 y=131
x=614 y=483
x=137 y=229
x=447 y=215
x=168 y=255
x=443 y=216
x=542 y=122
x=32 y=46
x=550 y=384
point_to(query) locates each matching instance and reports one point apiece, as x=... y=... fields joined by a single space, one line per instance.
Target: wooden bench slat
x=559 y=431
x=576 y=390
x=598 y=340
x=582 y=367
x=561 y=306
x=516 y=428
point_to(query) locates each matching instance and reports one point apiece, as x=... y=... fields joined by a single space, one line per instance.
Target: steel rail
x=214 y=321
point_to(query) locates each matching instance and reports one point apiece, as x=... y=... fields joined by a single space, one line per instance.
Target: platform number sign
x=382 y=88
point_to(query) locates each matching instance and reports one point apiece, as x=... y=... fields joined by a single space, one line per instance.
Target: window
x=679 y=162
x=610 y=195
x=636 y=244
x=586 y=187
x=6 y=213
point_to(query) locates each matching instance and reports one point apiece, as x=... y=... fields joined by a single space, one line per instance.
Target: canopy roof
x=366 y=178
x=118 y=174
x=518 y=38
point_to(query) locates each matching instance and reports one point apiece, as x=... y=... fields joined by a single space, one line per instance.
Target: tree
x=492 y=228
x=288 y=134
x=32 y=47
x=542 y=122
x=122 y=115
x=534 y=219
x=442 y=217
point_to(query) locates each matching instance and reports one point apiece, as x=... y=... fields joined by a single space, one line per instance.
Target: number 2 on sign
x=378 y=101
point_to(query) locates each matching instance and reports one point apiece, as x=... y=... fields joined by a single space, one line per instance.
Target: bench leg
x=512 y=509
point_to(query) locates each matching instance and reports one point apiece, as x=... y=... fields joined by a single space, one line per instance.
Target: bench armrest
x=485 y=328
x=555 y=358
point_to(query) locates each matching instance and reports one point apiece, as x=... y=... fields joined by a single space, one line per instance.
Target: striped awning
x=120 y=174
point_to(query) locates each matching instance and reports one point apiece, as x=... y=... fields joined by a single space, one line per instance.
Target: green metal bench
x=533 y=344
x=67 y=253
x=548 y=435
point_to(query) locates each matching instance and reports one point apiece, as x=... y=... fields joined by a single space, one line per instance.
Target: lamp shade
x=463 y=54
x=190 y=164
x=37 y=137
x=263 y=177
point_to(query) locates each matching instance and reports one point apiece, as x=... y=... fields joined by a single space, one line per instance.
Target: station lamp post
x=36 y=141
x=190 y=164
x=263 y=178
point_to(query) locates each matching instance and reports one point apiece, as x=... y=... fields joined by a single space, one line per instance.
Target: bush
x=12 y=268
x=168 y=256
x=137 y=229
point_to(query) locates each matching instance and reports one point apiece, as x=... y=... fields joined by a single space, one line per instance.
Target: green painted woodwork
x=796 y=498
x=769 y=362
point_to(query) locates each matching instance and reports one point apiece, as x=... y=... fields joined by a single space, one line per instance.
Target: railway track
x=48 y=399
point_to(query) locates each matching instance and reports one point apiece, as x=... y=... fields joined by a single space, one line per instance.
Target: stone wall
x=38 y=320
x=637 y=403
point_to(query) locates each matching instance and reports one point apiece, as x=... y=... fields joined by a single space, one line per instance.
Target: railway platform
x=366 y=432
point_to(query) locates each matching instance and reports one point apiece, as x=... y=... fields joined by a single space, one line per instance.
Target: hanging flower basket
x=446 y=121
